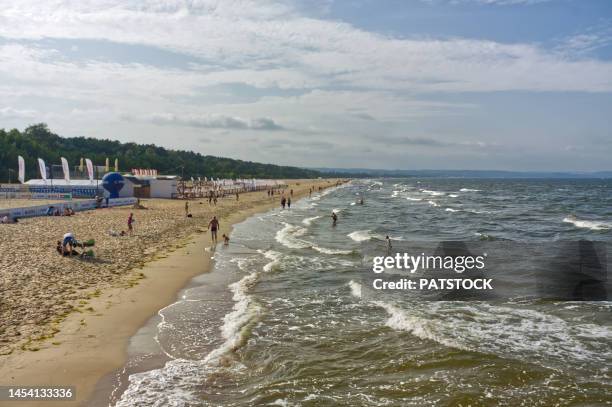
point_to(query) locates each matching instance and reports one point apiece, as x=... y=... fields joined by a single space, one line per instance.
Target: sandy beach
x=66 y=321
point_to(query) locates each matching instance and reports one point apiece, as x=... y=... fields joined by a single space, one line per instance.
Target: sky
x=393 y=84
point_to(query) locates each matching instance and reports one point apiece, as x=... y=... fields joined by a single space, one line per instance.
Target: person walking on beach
x=289 y=203
x=283 y=202
x=214 y=226
x=237 y=196
x=130 y=224
x=186 y=208
x=334 y=218
x=291 y=192
x=388 y=244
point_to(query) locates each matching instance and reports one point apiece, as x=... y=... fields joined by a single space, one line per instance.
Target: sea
x=281 y=319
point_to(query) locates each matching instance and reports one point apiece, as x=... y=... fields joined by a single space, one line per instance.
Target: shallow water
x=280 y=320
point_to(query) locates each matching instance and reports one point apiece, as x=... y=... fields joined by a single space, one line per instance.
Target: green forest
x=37 y=141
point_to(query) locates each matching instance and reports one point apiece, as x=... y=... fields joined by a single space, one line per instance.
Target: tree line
x=37 y=141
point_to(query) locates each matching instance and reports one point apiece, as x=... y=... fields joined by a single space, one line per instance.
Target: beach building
x=150 y=186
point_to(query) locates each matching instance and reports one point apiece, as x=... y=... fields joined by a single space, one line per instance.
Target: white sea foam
x=360 y=235
x=326 y=250
x=453 y=195
x=308 y=221
x=176 y=383
x=288 y=236
x=432 y=193
x=424 y=328
x=451 y=210
x=275 y=258
x=588 y=224
x=469 y=190
x=413 y=199
x=355 y=288
x=432 y=203
x=534 y=335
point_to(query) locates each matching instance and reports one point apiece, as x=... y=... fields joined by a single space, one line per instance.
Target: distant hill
x=38 y=141
x=363 y=172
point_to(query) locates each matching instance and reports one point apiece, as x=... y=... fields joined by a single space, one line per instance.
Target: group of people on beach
x=53 y=211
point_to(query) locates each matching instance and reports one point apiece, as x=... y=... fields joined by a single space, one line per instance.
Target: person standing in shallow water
x=214 y=226
x=334 y=218
x=289 y=203
x=283 y=202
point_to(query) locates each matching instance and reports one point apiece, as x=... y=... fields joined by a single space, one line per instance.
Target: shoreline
x=93 y=344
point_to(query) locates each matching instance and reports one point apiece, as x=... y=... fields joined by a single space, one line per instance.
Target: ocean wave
x=176 y=384
x=453 y=195
x=308 y=221
x=451 y=210
x=361 y=235
x=326 y=250
x=413 y=199
x=355 y=288
x=432 y=193
x=469 y=190
x=274 y=264
x=535 y=335
x=424 y=328
x=432 y=203
x=588 y=224
x=288 y=236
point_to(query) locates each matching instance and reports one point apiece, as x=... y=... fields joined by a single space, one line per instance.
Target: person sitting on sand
x=50 y=211
x=225 y=239
x=69 y=242
x=5 y=219
x=214 y=225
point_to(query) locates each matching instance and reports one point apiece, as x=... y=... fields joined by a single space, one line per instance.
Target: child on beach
x=225 y=240
x=130 y=223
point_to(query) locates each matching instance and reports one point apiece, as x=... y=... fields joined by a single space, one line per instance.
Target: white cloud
x=12 y=113
x=216 y=122
x=270 y=44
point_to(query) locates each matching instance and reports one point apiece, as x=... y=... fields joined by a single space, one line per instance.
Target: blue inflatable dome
x=113 y=182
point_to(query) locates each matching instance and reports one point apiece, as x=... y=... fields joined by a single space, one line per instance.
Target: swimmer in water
x=334 y=218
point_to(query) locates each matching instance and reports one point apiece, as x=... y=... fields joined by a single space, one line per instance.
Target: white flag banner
x=66 y=169
x=21 y=175
x=42 y=169
x=90 y=171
